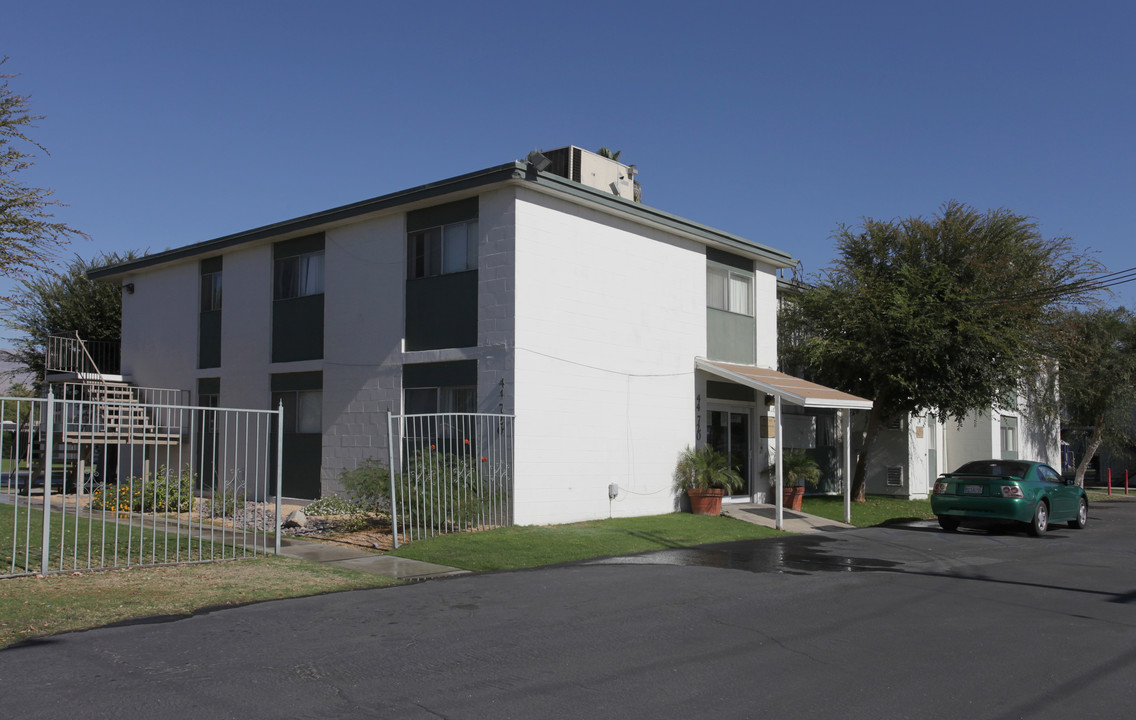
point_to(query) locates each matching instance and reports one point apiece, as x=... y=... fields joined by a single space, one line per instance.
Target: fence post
x=49 y=460
x=390 y=467
x=279 y=469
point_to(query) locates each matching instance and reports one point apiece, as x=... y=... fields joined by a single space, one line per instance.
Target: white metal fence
x=103 y=483
x=450 y=472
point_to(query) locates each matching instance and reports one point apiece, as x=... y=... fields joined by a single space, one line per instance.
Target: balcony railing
x=89 y=357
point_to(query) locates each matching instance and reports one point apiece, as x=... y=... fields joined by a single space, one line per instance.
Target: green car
x=1016 y=490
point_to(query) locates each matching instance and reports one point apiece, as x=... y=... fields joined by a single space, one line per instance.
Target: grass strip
x=876 y=510
x=37 y=606
x=531 y=546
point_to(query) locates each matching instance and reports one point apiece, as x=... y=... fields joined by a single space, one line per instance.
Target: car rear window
x=994 y=467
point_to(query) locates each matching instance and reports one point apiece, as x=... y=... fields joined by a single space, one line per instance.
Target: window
x=210 y=291
x=441 y=250
x=1009 y=437
x=299 y=276
x=303 y=410
x=440 y=400
x=729 y=290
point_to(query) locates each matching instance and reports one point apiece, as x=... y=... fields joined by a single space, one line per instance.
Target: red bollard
x=1125 y=481
x=1110 y=481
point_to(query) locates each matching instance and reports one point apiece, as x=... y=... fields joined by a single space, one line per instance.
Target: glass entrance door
x=729 y=434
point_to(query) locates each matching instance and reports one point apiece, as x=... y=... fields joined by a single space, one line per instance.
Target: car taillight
x=940 y=488
x=1012 y=491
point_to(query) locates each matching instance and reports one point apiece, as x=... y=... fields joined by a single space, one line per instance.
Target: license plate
x=973 y=489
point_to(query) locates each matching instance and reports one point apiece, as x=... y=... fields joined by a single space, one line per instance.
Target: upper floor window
x=730 y=290
x=210 y=291
x=299 y=275
x=441 y=250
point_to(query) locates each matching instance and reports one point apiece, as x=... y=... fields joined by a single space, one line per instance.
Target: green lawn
x=33 y=607
x=877 y=510
x=94 y=543
x=530 y=546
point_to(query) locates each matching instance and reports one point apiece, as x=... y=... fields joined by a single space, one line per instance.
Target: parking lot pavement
x=902 y=621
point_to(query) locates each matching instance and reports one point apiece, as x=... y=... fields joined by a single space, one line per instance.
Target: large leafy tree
x=62 y=302
x=945 y=314
x=28 y=231
x=1098 y=378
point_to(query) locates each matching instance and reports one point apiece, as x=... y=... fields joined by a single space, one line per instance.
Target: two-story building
x=616 y=333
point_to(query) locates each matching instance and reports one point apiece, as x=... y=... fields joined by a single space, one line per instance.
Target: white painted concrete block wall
x=364 y=307
x=609 y=317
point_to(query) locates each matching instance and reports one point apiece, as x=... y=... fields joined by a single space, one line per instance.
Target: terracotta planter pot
x=792 y=497
x=707 y=501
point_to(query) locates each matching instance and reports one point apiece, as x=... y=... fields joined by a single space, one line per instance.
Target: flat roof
x=516 y=172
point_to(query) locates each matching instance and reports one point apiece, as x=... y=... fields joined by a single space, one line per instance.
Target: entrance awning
x=795 y=391
x=792 y=390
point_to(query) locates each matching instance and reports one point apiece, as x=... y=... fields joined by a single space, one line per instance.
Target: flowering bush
x=166 y=492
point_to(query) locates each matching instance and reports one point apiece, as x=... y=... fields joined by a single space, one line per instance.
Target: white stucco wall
x=609 y=317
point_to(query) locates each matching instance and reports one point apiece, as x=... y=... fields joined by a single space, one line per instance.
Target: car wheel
x=1040 y=522
x=949 y=524
x=1082 y=516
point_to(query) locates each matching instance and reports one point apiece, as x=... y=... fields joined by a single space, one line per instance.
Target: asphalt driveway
x=872 y=623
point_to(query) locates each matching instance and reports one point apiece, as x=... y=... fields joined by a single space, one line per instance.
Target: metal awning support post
x=847 y=413
x=780 y=499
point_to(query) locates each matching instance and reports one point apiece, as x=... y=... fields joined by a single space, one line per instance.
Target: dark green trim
x=297 y=329
x=298 y=246
x=455 y=373
x=735 y=261
x=297 y=381
x=717 y=390
x=441 y=311
x=454 y=212
x=470 y=181
x=208 y=386
x=514 y=171
x=209 y=339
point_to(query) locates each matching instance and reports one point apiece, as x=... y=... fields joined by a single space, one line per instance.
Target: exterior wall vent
x=895 y=476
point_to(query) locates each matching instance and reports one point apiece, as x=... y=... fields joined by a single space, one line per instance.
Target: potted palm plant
x=705 y=474
x=799 y=469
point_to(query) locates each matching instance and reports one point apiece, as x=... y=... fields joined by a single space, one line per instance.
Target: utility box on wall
x=767 y=427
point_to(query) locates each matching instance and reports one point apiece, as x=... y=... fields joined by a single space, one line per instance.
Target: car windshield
x=994 y=467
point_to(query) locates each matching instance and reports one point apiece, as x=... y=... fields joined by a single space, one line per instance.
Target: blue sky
x=172 y=123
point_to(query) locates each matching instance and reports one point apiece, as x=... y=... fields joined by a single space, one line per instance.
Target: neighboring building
x=604 y=325
x=913 y=452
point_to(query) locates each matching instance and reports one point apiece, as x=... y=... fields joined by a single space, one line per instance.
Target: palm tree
x=706 y=468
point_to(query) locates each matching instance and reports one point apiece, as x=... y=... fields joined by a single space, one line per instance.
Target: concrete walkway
x=364 y=561
x=794 y=521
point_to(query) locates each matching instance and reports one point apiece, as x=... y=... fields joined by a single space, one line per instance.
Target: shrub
x=334 y=505
x=369 y=485
x=442 y=491
x=166 y=492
